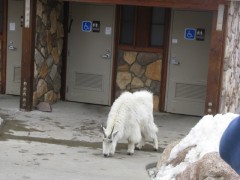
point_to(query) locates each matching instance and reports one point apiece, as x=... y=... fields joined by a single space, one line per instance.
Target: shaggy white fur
x=130 y=118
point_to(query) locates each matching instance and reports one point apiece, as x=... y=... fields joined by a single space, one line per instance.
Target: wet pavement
x=71 y=134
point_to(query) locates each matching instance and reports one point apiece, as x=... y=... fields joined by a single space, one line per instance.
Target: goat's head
x=109 y=142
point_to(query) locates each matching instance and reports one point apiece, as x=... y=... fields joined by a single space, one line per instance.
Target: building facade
x=141 y=54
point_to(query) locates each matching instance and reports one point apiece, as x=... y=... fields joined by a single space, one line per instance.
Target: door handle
x=12 y=48
x=107 y=54
x=175 y=62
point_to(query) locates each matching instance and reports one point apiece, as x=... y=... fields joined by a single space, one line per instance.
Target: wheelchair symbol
x=190 y=34
x=86 y=26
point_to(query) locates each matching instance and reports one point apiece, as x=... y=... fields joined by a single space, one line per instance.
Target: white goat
x=130 y=118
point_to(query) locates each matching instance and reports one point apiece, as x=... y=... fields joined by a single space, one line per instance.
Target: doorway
x=188 y=62
x=14 y=46
x=90 y=39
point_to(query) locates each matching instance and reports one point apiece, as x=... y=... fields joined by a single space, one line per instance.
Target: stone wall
x=48 y=51
x=230 y=94
x=139 y=70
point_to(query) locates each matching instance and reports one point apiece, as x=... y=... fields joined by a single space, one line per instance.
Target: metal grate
x=17 y=74
x=190 y=91
x=89 y=81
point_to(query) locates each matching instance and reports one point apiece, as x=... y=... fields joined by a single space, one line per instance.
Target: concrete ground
x=66 y=143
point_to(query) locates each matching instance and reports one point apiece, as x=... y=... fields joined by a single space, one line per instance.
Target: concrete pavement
x=66 y=143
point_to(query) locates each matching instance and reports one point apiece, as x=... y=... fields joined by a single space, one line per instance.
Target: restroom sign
x=86 y=26
x=190 y=34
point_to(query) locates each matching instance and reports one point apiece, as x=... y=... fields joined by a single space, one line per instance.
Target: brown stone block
x=155 y=103
x=41 y=88
x=137 y=69
x=123 y=79
x=153 y=71
x=55 y=55
x=123 y=68
x=130 y=57
x=44 y=70
x=137 y=83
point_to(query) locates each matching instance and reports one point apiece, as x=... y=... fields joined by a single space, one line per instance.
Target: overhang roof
x=184 y=4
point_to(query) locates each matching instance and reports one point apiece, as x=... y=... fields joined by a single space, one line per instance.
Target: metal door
x=188 y=62
x=14 y=46
x=91 y=32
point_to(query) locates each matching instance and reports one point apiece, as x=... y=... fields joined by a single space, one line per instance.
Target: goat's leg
x=155 y=142
x=131 y=145
x=140 y=144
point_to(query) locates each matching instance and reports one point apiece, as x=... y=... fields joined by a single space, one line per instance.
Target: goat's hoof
x=130 y=153
x=105 y=155
x=138 y=148
x=155 y=149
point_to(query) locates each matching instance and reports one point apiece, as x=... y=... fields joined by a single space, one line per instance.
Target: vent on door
x=89 y=81
x=17 y=74
x=190 y=91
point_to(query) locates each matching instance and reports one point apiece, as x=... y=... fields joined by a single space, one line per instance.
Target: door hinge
x=68 y=52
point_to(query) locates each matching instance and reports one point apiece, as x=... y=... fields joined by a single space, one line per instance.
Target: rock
x=166 y=153
x=53 y=18
x=38 y=58
x=137 y=83
x=180 y=157
x=50 y=97
x=210 y=166
x=147 y=58
x=41 y=88
x=155 y=103
x=44 y=106
x=55 y=55
x=53 y=71
x=130 y=57
x=153 y=71
x=123 y=79
x=123 y=68
x=137 y=69
x=44 y=70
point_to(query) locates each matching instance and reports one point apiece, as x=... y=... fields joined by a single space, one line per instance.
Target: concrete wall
x=230 y=94
x=139 y=70
x=48 y=51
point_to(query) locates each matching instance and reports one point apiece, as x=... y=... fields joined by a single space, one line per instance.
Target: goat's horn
x=111 y=132
x=103 y=131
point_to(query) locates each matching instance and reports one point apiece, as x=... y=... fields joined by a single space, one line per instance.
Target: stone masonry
x=139 y=70
x=48 y=51
x=230 y=94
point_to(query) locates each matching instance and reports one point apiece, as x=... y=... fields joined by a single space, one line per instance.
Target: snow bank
x=205 y=135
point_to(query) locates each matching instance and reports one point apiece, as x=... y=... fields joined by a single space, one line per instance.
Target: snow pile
x=205 y=136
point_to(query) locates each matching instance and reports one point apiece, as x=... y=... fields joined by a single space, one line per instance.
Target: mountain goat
x=130 y=118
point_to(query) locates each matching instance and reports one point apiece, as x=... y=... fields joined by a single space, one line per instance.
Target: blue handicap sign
x=86 y=26
x=190 y=34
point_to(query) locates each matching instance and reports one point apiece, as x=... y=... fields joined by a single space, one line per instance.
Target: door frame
x=4 y=47
x=167 y=61
x=215 y=64
x=112 y=73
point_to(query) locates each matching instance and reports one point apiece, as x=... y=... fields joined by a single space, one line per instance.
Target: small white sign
x=174 y=41
x=27 y=14
x=12 y=26
x=108 y=30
